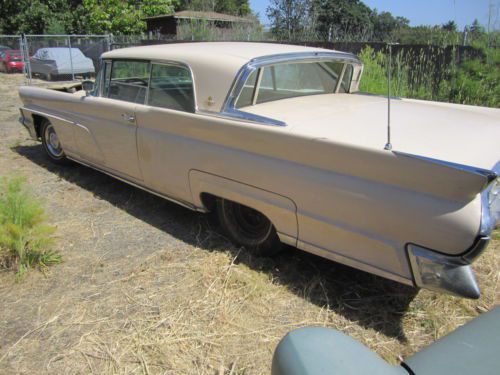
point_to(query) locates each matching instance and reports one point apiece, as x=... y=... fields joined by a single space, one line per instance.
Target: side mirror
x=87 y=86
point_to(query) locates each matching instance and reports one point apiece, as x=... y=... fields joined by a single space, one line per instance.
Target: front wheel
x=51 y=143
x=248 y=228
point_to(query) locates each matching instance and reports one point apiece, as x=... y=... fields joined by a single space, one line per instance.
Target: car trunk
x=457 y=133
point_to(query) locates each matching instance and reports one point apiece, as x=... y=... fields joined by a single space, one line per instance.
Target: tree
x=385 y=26
x=151 y=8
x=122 y=16
x=37 y=16
x=343 y=19
x=450 y=26
x=290 y=19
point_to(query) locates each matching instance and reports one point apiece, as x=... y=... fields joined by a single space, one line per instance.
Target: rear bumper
x=453 y=274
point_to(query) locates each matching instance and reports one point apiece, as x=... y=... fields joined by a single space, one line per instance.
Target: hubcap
x=52 y=141
x=255 y=225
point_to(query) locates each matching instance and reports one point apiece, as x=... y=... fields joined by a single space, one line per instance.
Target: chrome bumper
x=442 y=273
x=453 y=274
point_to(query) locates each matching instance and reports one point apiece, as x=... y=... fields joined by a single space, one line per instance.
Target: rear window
x=283 y=81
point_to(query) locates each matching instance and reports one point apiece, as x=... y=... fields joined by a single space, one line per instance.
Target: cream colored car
x=278 y=141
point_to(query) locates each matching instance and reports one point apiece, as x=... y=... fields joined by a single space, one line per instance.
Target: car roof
x=239 y=51
x=214 y=65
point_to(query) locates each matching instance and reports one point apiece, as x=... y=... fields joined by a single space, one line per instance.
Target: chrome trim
x=489 y=175
x=257 y=86
x=341 y=77
x=229 y=107
x=241 y=115
x=93 y=166
x=442 y=273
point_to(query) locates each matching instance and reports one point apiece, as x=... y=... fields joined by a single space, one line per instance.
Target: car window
x=246 y=94
x=290 y=80
x=171 y=87
x=346 y=79
x=106 y=78
x=129 y=81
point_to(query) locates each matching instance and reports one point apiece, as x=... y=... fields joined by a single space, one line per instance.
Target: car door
x=106 y=132
x=162 y=151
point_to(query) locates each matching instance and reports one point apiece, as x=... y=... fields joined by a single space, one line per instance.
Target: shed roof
x=210 y=16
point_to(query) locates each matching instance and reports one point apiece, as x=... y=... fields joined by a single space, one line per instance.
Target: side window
x=171 y=87
x=346 y=79
x=106 y=77
x=129 y=81
x=246 y=94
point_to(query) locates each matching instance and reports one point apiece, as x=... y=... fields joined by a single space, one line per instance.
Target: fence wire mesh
x=64 y=57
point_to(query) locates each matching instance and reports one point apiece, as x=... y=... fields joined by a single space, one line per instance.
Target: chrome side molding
x=442 y=273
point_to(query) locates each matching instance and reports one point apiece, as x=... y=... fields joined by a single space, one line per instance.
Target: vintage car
x=277 y=140
x=54 y=62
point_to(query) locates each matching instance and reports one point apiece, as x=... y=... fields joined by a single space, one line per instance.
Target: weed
x=415 y=75
x=25 y=240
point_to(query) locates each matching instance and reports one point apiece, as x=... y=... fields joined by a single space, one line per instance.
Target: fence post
x=27 y=57
x=71 y=58
x=21 y=48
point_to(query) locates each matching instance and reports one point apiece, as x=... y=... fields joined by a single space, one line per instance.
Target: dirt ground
x=148 y=287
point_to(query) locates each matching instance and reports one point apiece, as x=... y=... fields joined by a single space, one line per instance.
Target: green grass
x=25 y=240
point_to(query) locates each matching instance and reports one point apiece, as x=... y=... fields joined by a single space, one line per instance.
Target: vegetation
x=99 y=16
x=25 y=240
x=472 y=81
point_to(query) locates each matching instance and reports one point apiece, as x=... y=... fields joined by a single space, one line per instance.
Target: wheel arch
x=206 y=188
x=37 y=122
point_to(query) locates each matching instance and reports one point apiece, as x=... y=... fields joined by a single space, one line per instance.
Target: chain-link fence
x=63 y=57
x=53 y=57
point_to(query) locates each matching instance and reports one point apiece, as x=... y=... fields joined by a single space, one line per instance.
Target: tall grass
x=25 y=240
x=433 y=76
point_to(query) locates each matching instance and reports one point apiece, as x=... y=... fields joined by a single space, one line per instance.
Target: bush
x=25 y=240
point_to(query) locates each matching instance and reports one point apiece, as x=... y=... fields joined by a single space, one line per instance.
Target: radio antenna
x=388 y=145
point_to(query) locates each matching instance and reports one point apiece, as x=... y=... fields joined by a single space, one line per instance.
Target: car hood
x=457 y=133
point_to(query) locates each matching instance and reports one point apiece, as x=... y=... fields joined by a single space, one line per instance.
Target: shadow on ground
x=371 y=301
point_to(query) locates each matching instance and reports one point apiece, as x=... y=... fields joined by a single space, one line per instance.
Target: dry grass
x=148 y=287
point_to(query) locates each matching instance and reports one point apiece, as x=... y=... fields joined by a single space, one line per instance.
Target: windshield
x=282 y=81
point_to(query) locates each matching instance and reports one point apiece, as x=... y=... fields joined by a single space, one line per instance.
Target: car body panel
x=320 y=174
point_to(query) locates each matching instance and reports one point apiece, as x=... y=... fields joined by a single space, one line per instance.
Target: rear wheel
x=51 y=143
x=248 y=227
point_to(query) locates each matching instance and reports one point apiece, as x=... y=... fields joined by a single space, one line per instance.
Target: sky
x=423 y=12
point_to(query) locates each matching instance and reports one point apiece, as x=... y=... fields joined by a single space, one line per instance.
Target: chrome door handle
x=128 y=118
